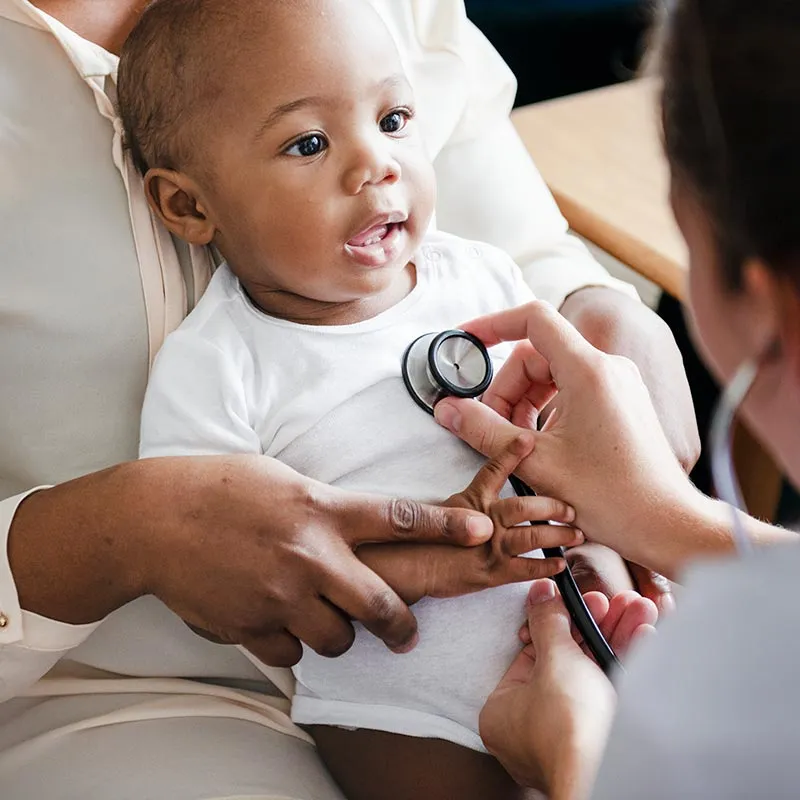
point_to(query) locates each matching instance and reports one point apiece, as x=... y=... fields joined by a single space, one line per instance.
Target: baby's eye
x=395 y=121
x=307 y=146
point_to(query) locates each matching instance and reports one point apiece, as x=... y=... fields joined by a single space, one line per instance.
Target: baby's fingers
x=512 y=511
x=492 y=477
x=520 y=569
x=525 y=538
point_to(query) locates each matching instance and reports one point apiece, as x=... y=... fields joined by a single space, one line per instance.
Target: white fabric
x=330 y=402
x=76 y=332
x=710 y=707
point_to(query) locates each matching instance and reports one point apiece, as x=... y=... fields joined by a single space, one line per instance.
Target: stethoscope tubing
x=581 y=617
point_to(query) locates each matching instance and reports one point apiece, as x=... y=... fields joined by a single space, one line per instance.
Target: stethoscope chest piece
x=448 y=364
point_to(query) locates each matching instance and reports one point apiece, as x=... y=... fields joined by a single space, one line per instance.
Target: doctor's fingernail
x=447 y=416
x=541 y=591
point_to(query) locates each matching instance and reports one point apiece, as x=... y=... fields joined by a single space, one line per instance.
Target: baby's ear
x=175 y=198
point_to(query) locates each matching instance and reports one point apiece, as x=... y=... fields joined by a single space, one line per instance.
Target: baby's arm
x=196 y=402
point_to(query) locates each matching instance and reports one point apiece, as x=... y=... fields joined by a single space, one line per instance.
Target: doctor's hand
x=620 y=325
x=449 y=571
x=548 y=719
x=601 y=450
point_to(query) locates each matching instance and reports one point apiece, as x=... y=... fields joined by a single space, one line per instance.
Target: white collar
x=88 y=58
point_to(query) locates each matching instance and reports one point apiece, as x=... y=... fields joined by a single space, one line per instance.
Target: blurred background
x=558 y=47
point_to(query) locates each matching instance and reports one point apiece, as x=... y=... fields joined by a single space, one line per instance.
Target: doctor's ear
x=774 y=300
x=175 y=198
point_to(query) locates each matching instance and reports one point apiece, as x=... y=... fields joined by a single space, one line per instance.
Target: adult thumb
x=548 y=619
x=481 y=427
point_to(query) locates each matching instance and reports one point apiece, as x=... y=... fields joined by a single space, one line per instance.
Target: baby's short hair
x=166 y=76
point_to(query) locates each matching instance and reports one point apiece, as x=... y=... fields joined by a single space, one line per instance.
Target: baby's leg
x=369 y=765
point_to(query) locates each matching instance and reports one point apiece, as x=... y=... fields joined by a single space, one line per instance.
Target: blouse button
x=3 y=620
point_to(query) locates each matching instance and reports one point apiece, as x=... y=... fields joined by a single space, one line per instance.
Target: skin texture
x=553 y=678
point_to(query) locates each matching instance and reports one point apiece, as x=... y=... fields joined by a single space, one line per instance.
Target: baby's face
x=317 y=181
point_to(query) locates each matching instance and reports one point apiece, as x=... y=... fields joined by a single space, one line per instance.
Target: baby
x=283 y=132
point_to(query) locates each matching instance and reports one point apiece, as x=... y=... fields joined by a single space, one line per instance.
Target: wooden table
x=600 y=153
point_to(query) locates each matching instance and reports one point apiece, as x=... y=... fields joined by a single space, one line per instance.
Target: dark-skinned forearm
x=77 y=551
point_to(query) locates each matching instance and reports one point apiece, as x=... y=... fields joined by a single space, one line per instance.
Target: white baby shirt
x=330 y=402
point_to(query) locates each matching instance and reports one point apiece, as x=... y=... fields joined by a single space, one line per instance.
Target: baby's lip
x=376 y=228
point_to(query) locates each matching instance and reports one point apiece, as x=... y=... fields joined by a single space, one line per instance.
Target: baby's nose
x=371 y=166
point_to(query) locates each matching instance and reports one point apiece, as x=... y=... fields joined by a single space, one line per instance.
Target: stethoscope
x=455 y=363
x=723 y=471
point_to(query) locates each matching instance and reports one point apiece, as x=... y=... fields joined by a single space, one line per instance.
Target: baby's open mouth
x=373 y=235
x=380 y=242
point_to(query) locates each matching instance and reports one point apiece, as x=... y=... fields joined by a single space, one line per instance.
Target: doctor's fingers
x=362 y=518
x=352 y=587
x=525 y=376
x=486 y=431
x=558 y=341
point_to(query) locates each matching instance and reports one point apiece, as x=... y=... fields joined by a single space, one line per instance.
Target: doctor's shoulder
x=711 y=706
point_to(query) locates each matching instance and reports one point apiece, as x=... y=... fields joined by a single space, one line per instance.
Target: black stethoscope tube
x=573 y=600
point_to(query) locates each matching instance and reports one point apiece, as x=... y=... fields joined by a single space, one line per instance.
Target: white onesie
x=330 y=402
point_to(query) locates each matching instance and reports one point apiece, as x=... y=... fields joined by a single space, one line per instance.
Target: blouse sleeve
x=489 y=189
x=29 y=644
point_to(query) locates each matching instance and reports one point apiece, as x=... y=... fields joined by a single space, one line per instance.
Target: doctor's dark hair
x=731 y=118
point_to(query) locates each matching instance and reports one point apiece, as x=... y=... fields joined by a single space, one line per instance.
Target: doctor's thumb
x=479 y=426
x=548 y=620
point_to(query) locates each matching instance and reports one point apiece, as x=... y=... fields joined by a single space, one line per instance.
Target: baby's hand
x=416 y=571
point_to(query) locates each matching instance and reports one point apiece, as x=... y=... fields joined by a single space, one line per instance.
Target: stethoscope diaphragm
x=449 y=364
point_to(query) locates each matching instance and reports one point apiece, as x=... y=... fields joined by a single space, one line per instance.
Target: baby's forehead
x=302 y=45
